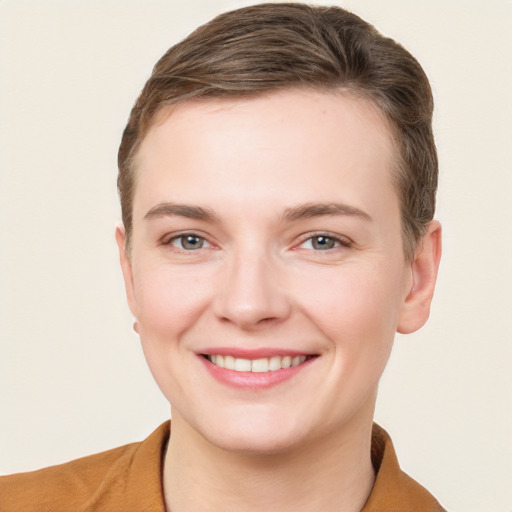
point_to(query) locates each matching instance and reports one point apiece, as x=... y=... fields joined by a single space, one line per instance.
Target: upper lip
x=254 y=353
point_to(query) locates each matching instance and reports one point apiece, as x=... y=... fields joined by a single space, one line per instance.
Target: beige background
x=72 y=376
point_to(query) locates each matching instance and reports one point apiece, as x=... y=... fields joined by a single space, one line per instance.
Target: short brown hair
x=275 y=46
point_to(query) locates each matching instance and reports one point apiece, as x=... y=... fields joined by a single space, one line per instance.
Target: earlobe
x=416 y=307
x=126 y=267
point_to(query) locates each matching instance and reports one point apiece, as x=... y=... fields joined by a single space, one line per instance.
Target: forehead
x=333 y=108
x=299 y=143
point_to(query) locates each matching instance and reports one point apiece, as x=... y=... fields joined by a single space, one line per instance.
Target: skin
x=258 y=277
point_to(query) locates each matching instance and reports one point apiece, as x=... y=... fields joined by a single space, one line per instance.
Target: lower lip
x=250 y=380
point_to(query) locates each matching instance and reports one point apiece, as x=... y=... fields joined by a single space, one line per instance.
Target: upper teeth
x=265 y=364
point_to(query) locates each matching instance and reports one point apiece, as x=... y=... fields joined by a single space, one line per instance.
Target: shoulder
x=63 y=486
x=96 y=482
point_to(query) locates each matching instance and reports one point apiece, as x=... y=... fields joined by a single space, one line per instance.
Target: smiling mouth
x=261 y=365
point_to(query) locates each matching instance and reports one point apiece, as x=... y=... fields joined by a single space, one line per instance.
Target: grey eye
x=189 y=242
x=322 y=243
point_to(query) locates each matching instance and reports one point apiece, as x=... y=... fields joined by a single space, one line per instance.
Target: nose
x=252 y=292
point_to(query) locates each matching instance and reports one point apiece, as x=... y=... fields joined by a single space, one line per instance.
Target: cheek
x=356 y=308
x=169 y=300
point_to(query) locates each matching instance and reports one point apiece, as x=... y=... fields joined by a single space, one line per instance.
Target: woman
x=277 y=179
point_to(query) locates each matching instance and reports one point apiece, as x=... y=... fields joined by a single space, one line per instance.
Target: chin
x=257 y=443
x=253 y=433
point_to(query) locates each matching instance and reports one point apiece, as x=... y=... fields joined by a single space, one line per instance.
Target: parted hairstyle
x=275 y=46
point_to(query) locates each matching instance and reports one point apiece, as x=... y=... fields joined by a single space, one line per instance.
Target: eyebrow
x=181 y=210
x=304 y=211
x=311 y=210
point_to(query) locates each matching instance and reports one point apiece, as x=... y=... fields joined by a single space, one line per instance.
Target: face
x=267 y=273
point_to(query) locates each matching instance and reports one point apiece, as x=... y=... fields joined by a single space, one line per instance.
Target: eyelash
x=183 y=237
x=337 y=240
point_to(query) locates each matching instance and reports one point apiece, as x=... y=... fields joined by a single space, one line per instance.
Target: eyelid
x=342 y=240
x=169 y=237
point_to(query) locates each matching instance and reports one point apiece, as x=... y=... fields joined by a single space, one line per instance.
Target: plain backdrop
x=73 y=379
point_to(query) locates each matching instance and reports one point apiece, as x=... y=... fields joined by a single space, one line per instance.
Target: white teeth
x=298 y=360
x=262 y=365
x=286 y=362
x=229 y=362
x=259 y=365
x=274 y=363
x=242 y=365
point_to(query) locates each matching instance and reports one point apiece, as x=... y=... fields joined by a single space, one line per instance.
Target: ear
x=416 y=307
x=126 y=267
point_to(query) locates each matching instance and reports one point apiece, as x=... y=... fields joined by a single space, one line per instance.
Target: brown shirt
x=129 y=479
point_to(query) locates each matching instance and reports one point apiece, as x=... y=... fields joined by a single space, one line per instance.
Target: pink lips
x=248 y=379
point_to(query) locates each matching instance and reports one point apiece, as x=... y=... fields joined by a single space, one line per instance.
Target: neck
x=333 y=473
